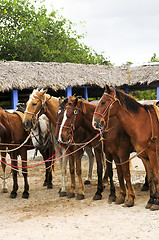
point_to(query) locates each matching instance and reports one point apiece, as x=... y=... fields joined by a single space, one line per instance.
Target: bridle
x=107 y=109
x=35 y=116
x=72 y=125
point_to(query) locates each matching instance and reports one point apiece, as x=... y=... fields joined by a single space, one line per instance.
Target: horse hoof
x=87 y=182
x=49 y=186
x=45 y=184
x=97 y=197
x=25 y=195
x=71 y=195
x=149 y=203
x=129 y=203
x=119 y=201
x=154 y=207
x=144 y=188
x=13 y=195
x=4 y=190
x=111 y=198
x=62 y=194
x=80 y=196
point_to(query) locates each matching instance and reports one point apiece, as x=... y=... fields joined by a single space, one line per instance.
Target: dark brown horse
x=141 y=124
x=13 y=135
x=70 y=130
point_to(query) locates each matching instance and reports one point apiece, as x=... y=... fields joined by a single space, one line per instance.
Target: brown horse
x=12 y=135
x=141 y=124
x=88 y=149
x=117 y=143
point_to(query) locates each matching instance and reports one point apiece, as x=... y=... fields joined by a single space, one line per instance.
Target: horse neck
x=133 y=123
x=52 y=108
x=87 y=118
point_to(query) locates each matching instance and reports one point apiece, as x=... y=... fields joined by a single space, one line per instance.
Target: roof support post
x=127 y=90
x=69 y=92
x=157 y=93
x=86 y=93
x=14 y=98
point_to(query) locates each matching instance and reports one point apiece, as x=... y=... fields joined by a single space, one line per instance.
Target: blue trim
x=127 y=90
x=157 y=93
x=14 y=99
x=86 y=93
x=69 y=92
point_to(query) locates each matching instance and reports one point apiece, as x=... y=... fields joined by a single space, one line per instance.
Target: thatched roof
x=20 y=75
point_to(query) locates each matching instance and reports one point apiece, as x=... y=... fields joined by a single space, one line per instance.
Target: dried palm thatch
x=20 y=75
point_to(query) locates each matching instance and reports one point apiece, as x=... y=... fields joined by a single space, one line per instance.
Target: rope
x=11 y=150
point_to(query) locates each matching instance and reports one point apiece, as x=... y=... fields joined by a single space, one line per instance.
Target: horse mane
x=131 y=103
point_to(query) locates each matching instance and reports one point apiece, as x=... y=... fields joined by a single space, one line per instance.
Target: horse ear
x=60 y=100
x=45 y=91
x=107 y=88
x=83 y=107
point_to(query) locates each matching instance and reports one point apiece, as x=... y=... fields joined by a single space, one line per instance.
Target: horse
x=88 y=149
x=69 y=133
x=13 y=133
x=141 y=124
x=38 y=103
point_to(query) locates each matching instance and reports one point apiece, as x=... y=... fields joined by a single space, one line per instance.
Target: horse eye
x=34 y=104
x=102 y=103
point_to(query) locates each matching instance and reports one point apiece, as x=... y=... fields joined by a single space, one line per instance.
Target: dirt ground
x=47 y=216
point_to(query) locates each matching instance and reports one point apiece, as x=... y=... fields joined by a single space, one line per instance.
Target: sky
x=125 y=30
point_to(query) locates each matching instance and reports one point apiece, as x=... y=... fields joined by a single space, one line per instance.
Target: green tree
x=154 y=58
x=29 y=33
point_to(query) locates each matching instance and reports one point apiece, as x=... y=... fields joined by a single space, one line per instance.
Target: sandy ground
x=47 y=216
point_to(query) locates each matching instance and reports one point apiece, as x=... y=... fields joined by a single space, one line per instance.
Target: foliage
x=144 y=95
x=29 y=33
x=154 y=58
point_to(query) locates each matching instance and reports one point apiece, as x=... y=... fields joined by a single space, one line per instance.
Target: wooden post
x=157 y=93
x=127 y=90
x=69 y=92
x=86 y=93
x=14 y=98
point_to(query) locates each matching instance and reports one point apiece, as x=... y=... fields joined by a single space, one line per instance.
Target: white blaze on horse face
x=61 y=127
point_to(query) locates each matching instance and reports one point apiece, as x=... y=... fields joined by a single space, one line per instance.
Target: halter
x=71 y=127
x=108 y=108
x=43 y=103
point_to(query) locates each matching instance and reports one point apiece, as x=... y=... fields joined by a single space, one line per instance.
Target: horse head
x=105 y=108
x=34 y=108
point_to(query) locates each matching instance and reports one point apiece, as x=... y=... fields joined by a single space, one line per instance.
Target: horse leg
x=80 y=194
x=71 y=193
x=48 y=171
x=14 y=164
x=150 y=182
x=121 y=198
x=126 y=172
x=154 y=163
x=63 y=164
x=91 y=161
x=4 y=181
x=98 y=194
x=145 y=186
x=109 y=170
x=23 y=154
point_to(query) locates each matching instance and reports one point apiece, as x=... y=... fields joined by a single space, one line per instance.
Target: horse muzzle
x=98 y=124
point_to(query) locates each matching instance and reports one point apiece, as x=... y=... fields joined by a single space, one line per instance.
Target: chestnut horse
x=14 y=134
x=38 y=103
x=141 y=124
x=88 y=149
x=69 y=133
